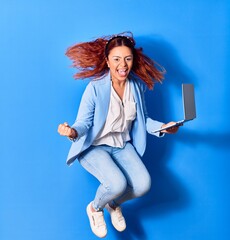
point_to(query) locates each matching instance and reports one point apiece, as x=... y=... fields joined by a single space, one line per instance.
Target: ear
x=107 y=61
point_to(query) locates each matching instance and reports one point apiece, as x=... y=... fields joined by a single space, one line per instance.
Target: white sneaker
x=97 y=222
x=117 y=218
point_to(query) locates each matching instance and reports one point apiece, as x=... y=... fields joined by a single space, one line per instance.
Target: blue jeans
x=120 y=171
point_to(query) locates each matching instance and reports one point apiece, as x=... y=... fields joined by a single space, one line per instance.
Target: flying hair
x=89 y=58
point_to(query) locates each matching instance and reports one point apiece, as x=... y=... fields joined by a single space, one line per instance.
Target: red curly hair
x=90 y=59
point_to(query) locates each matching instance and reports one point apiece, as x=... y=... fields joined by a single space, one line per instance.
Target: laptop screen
x=188 y=101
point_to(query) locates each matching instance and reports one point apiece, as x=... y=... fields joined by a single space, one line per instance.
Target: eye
x=116 y=59
x=129 y=59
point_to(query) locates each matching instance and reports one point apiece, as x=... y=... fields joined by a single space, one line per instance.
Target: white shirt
x=115 y=132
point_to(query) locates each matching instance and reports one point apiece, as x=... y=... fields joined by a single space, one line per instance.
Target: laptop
x=189 y=107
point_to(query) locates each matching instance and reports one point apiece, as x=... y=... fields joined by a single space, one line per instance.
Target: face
x=120 y=62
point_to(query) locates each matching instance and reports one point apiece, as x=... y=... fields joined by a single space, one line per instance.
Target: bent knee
x=117 y=187
x=143 y=186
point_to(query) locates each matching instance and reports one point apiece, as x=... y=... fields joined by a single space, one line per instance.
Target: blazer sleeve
x=85 y=116
x=151 y=124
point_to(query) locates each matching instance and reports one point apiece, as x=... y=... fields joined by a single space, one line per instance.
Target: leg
x=98 y=162
x=138 y=178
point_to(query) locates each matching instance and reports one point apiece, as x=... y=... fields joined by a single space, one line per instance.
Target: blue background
x=43 y=199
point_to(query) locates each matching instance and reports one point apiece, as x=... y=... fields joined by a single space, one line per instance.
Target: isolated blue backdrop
x=43 y=199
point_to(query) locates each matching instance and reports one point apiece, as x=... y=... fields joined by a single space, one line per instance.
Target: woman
x=109 y=134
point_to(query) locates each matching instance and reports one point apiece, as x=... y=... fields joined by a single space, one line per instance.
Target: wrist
x=73 y=133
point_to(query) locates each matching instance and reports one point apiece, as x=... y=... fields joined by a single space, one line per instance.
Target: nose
x=123 y=63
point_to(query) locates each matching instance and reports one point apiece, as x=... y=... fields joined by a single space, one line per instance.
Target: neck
x=119 y=84
x=119 y=87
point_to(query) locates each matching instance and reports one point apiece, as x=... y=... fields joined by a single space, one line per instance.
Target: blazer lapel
x=103 y=91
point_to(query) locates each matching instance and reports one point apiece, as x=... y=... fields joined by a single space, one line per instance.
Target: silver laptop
x=189 y=107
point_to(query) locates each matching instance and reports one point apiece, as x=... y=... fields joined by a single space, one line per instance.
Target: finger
x=69 y=132
x=173 y=130
x=60 y=127
x=63 y=129
x=66 y=129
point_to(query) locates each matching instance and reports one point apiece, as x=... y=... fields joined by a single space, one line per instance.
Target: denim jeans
x=120 y=171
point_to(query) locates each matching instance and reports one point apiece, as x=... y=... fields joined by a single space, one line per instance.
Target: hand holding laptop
x=171 y=127
x=189 y=109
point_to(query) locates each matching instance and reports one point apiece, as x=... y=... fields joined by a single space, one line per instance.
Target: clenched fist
x=65 y=130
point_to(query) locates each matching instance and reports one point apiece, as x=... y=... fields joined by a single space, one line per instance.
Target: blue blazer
x=93 y=111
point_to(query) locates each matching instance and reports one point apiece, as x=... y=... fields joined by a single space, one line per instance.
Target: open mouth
x=122 y=72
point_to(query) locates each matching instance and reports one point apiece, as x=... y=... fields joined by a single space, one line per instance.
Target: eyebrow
x=125 y=56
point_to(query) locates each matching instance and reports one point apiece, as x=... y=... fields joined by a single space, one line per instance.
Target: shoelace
x=98 y=219
x=119 y=214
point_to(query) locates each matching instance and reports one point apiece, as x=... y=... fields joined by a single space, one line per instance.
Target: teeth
x=122 y=72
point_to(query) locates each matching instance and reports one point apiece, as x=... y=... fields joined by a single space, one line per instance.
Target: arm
x=84 y=118
x=85 y=115
x=65 y=130
x=153 y=124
